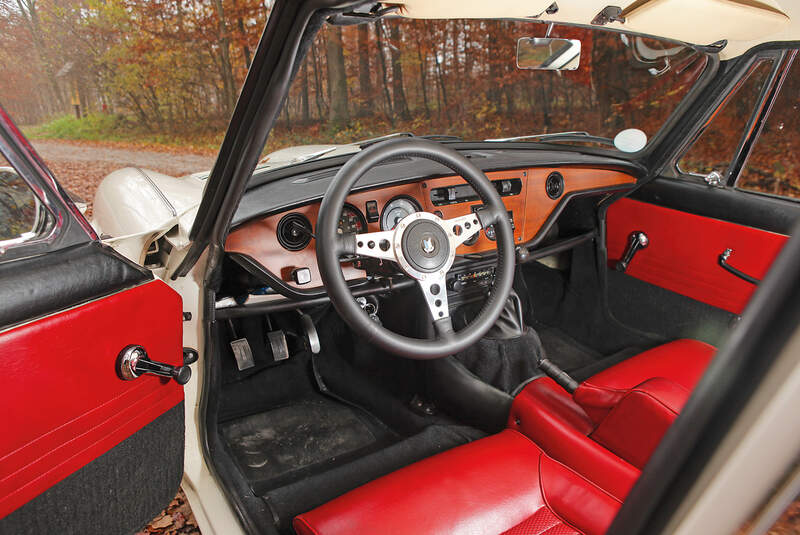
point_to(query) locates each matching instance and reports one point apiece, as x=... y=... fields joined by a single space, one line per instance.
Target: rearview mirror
x=548 y=54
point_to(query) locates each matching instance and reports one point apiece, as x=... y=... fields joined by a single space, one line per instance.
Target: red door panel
x=69 y=406
x=683 y=252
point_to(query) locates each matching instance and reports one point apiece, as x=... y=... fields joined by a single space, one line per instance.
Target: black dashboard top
x=276 y=190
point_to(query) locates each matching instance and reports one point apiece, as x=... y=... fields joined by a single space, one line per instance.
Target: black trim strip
x=727 y=204
x=45 y=284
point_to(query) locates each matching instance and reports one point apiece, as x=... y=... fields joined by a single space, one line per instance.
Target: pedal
x=311 y=336
x=277 y=343
x=242 y=351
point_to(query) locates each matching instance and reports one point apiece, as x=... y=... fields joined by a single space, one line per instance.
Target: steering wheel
x=424 y=247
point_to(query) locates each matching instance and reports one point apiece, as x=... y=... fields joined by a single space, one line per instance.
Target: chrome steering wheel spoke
x=435 y=293
x=462 y=228
x=378 y=245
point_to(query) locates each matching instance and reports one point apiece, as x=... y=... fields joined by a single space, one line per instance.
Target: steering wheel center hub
x=423 y=246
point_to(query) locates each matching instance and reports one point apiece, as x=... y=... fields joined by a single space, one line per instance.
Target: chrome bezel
x=397 y=246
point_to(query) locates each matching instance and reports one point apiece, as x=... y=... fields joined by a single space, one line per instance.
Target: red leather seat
x=564 y=467
x=618 y=414
x=502 y=484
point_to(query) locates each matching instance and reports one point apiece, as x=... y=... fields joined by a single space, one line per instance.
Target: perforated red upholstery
x=502 y=483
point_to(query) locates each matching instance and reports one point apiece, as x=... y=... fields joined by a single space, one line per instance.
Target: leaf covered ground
x=176 y=519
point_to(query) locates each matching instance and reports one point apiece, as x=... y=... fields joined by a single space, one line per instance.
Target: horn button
x=426 y=246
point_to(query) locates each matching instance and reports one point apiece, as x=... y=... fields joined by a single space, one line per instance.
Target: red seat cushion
x=580 y=458
x=500 y=484
x=614 y=420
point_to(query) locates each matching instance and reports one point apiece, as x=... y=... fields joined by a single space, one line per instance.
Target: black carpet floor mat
x=575 y=358
x=566 y=352
x=284 y=443
x=300 y=496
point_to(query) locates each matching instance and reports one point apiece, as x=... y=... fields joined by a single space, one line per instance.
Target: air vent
x=294 y=231
x=554 y=186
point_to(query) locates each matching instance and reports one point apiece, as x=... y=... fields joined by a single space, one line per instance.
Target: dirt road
x=81 y=167
x=171 y=163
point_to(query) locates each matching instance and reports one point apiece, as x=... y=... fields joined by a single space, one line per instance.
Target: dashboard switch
x=372 y=212
x=301 y=275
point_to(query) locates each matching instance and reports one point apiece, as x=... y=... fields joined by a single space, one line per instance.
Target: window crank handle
x=637 y=240
x=133 y=362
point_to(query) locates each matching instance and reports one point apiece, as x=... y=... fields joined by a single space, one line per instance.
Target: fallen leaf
x=161 y=523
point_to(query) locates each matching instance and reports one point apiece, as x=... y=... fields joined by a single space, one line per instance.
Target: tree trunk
x=31 y=16
x=226 y=70
x=245 y=48
x=442 y=85
x=305 y=112
x=423 y=78
x=337 y=77
x=399 y=93
x=364 y=81
x=382 y=63
x=317 y=83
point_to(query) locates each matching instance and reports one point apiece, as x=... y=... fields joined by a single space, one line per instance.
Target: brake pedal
x=277 y=342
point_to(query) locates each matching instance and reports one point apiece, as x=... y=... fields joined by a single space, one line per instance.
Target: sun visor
x=473 y=9
x=705 y=21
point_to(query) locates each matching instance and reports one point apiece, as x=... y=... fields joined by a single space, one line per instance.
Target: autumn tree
x=337 y=77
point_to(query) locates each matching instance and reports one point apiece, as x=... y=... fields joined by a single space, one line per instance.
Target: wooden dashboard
x=530 y=208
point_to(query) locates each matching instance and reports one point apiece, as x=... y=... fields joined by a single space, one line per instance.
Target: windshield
x=459 y=79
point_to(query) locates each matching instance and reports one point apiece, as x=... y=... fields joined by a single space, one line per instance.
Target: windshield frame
x=710 y=53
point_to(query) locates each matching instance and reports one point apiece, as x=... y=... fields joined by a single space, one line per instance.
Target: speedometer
x=397 y=209
x=352 y=221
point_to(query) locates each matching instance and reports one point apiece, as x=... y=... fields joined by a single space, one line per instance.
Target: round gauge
x=396 y=209
x=352 y=221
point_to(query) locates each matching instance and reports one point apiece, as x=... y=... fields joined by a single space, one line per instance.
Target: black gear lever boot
x=510 y=352
x=509 y=325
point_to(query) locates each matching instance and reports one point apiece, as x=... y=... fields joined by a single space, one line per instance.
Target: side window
x=716 y=147
x=23 y=218
x=773 y=165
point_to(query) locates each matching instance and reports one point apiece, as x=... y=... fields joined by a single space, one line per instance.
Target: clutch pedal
x=241 y=350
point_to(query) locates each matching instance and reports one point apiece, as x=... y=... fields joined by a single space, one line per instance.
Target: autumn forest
x=173 y=69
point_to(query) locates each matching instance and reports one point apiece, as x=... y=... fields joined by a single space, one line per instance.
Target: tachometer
x=397 y=209
x=351 y=221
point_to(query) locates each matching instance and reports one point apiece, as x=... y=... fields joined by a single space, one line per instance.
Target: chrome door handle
x=637 y=240
x=723 y=261
x=133 y=362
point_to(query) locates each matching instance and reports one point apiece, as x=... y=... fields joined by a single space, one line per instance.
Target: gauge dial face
x=395 y=210
x=352 y=221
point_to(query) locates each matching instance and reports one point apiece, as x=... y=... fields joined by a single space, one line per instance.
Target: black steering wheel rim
x=330 y=245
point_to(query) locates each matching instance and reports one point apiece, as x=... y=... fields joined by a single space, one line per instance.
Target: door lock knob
x=133 y=362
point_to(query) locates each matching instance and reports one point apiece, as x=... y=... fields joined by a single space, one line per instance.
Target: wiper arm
x=441 y=137
x=562 y=136
x=540 y=136
x=367 y=142
x=312 y=155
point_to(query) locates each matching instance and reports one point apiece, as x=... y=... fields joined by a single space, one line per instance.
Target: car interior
x=617 y=284
x=622 y=286
x=414 y=333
